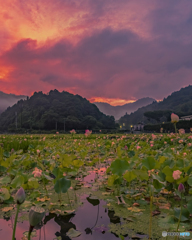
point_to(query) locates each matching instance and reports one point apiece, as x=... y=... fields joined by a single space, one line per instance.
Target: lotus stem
x=59 y=198
x=15 y=223
x=30 y=231
x=45 y=187
x=175 y=127
x=150 y=219
x=179 y=218
x=69 y=200
x=151 y=211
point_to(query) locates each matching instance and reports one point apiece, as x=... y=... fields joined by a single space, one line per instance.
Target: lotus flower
x=153 y=136
x=73 y=131
x=37 y=172
x=20 y=196
x=174 y=118
x=176 y=174
x=182 y=131
x=88 y=132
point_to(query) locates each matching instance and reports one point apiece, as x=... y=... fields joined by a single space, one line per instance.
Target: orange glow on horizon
x=111 y=101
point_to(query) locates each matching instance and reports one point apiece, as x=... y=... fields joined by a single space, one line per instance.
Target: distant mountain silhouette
x=8 y=100
x=119 y=111
x=179 y=102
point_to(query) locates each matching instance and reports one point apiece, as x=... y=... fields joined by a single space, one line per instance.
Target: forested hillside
x=55 y=110
x=179 y=102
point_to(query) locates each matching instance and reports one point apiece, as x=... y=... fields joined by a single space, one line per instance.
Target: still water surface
x=90 y=220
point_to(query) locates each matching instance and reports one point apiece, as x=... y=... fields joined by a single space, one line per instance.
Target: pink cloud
x=97 y=49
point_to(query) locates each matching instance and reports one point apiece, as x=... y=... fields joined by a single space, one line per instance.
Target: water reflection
x=94 y=202
x=91 y=219
x=64 y=221
x=113 y=219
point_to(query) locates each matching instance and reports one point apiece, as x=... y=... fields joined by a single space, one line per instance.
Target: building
x=138 y=127
x=189 y=117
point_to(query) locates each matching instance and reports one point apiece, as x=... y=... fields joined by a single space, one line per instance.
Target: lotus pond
x=97 y=186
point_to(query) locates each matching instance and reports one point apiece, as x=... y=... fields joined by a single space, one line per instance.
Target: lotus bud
x=36 y=215
x=20 y=196
x=181 y=188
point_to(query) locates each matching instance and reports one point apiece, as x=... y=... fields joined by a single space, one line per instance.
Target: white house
x=138 y=127
x=189 y=117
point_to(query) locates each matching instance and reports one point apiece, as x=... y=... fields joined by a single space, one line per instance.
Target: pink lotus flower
x=138 y=147
x=189 y=144
x=182 y=131
x=174 y=118
x=176 y=174
x=153 y=136
x=73 y=131
x=38 y=151
x=88 y=132
x=126 y=147
x=151 y=145
x=37 y=172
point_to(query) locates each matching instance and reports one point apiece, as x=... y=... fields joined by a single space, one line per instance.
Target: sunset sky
x=115 y=51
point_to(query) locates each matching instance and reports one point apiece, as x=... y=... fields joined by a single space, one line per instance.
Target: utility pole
x=16 y=119
x=64 y=125
x=21 y=113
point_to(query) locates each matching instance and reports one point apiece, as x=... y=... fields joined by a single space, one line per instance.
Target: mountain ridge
x=8 y=100
x=179 y=102
x=55 y=110
x=121 y=110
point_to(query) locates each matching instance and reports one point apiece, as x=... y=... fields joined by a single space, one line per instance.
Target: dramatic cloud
x=121 y=50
